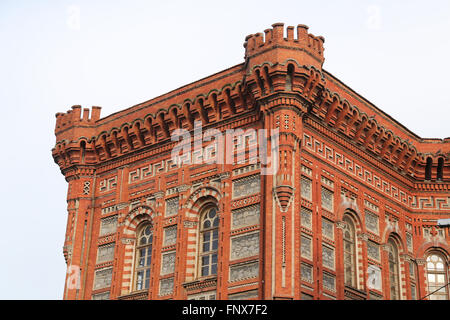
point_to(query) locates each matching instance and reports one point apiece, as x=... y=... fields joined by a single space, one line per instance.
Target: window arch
x=428 y=168
x=144 y=242
x=290 y=77
x=437 y=276
x=209 y=241
x=393 y=270
x=440 y=169
x=349 y=252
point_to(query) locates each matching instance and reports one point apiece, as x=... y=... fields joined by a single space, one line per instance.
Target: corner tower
x=283 y=74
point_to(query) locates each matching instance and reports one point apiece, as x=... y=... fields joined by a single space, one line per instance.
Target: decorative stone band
x=183 y=188
x=200 y=284
x=140 y=295
x=190 y=224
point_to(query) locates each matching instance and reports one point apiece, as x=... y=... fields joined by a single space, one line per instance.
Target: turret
x=302 y=46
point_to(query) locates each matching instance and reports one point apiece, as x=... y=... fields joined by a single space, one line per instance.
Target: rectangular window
x=170 y=235
x=244 y=217
x=172 y=207
x=409 y=241
x=246 y=186
x=306 y=247
x=101 y=296
x=306 y=218
x=328 y=257
x=371 y=222
x=329 y=281
x=168 y=263
x=102 y=278
x=327 y=229
x=373 y=250
x=166 y=287
x=244 y=271
x=244 y=246
x=327 y=199
x=108 y=225
x=105 y=253
x=306 y=272
x=306 y=188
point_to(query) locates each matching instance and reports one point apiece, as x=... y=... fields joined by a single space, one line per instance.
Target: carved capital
x=421 y=262
x=127 y=241
x=159 y=194
x=183 y=188
x=340 y=225
x=363 y=236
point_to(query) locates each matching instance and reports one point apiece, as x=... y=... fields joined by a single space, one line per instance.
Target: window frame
x=212 y=230
x=146 y=269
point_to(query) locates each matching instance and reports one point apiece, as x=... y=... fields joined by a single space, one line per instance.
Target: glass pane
x=214 y=269
x=147 y=231
x=206 y=236
x=205 y=260
x=214 y=245
x=431 y=278
x=206 y=224
x=143 y=241
x=214 y=258
x=206 y=247
x=212 y=213
x=440 y=278
x=440 y=266
x=430 y=265
x=205 y=271
x=216 y=234
x=216 y=222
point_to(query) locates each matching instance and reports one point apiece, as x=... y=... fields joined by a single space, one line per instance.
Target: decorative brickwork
x=346 y=181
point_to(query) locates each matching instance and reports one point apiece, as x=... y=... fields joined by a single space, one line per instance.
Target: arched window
x=349 y=252
x=428 y=168
x=437 y=277
x=143 y=257
x=290 y=77
x=440 y=169
x=413 y=279
x=209 y=242
x=393 y=270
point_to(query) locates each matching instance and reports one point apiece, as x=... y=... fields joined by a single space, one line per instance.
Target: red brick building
x=350 y=213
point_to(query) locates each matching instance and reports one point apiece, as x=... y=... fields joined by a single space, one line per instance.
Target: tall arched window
x=393 y=270
x=209 y=242
x=440 y=169
x=428 y=168
x=437 y=277
x=349 y=252
x=143 y=257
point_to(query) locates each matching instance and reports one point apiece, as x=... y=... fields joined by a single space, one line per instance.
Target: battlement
x=74 y=117
x=256 y=43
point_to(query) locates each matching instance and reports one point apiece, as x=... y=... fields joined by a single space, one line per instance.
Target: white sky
x=114 y=54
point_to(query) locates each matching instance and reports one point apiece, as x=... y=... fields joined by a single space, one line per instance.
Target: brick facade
x=343 y=163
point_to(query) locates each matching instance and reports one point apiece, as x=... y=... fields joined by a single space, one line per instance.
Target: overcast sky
x=115 y=54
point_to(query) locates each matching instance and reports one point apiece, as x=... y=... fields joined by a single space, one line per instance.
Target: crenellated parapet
x=294 y=41
x=280 y=62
